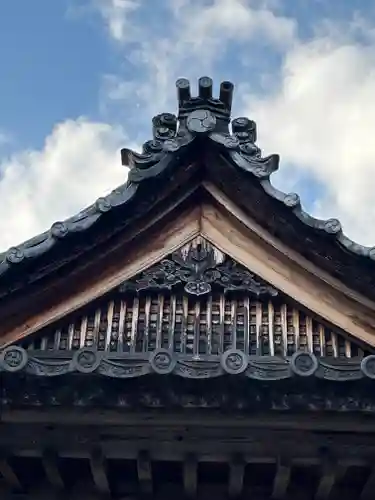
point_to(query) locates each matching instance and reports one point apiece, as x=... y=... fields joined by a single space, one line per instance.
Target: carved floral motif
x=199 y=270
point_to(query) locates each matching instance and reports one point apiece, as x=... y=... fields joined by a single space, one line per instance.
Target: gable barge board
x=234 y=238
x=95 y=278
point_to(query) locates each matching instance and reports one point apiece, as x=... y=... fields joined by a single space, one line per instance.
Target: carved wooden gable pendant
x=197 y=306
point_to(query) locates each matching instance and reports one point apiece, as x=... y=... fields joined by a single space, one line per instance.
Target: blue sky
x=82 y=78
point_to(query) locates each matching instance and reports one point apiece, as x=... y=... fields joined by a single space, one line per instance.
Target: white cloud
x=115 y=14
x=189 y=39
x=80 y=161
x=321 y=120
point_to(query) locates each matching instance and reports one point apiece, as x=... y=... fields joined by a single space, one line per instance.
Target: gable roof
x=201 y=142
x=197 y=314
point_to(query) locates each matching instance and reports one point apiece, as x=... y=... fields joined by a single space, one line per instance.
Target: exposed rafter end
x=282 y=479
x=144 y=472
x=236 y=475
x=51 y=466
x=99 y=471
x=190 y=475
x=331 y=473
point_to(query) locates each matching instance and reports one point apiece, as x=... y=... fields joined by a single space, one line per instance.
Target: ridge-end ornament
x=86 y=360
x=13 y=358
x=304 y=364
x=163 y=361
x=234 y=361
x=368 y=366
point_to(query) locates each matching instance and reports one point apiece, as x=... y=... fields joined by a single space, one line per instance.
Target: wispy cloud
x=79 y=162
x=187 y=37
x=321 y=120
x=311 y=96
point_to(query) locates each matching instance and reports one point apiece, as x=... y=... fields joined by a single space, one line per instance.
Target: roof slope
x=203 y=130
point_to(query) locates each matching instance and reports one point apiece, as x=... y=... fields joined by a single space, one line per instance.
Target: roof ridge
x=201 y=118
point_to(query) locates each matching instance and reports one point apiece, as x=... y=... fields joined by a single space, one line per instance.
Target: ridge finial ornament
x=201 y=116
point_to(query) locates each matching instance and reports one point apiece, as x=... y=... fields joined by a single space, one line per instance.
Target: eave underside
x=192 y=450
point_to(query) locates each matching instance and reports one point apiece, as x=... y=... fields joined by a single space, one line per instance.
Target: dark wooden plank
x=236 y=475
x=51 y=467
x=282 y=478
x=144 y=472
x=99 y=472
x=190 y=475
x=116 y=417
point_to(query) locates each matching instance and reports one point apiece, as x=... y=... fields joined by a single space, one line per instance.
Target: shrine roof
x=203 y=129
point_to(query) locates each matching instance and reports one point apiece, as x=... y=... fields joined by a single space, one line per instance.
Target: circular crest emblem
x=197 y=287
x=13 y=358
x=201 y=121
x=234 y=361
x=332 y=226
x=86 y=360
x=368 y=366
x=162 y=361
x=291 y=200
x=304 y=364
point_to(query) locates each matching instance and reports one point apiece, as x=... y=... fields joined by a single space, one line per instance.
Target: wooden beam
x=144 y=472
x=9 y=475
x=236 y=475
x=109 y=275
x=291 y=254
x=190 y=475
x=232 y=237
x=99 y=471
x=51 y=466
x=282 y=479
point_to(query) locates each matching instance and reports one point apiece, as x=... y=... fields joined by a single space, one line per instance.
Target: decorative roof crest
x=220 y=107
x=177 y=141
x=202 y=116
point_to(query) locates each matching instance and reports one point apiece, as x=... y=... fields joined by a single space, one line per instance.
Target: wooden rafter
x=144 y=472
x=190 y=475
x=99 y=471
x=236 y=475
x=52 y=470
x=282 y=478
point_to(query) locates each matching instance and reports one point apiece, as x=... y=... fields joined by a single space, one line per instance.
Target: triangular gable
x=197 y=301
x=197 y=161
x=222 y=227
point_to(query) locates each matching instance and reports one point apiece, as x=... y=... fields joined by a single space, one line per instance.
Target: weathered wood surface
x=235 y=238
x=97 y=278
x=234 y=477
